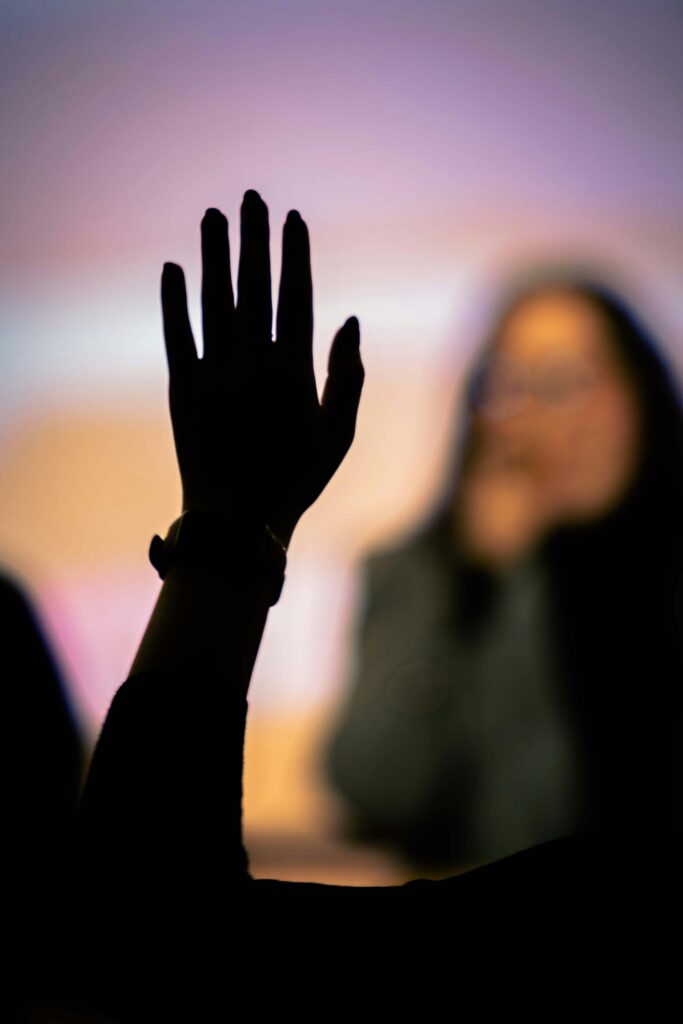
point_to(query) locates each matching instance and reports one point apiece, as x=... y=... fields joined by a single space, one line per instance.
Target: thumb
x=343 y=387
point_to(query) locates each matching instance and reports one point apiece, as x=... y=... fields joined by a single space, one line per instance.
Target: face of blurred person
x=555 y=430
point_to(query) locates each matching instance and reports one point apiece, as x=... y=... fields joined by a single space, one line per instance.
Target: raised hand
x=251 y=435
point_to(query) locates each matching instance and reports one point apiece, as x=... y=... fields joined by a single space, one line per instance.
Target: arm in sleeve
x=383 y=756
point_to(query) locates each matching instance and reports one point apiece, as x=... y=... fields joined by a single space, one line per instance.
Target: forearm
x=159 y=860
x=164 y=791
x=165 y=784
x=206 y=625
x=213 y=605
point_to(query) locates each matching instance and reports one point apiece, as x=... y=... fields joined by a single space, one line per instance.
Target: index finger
x=180 y=348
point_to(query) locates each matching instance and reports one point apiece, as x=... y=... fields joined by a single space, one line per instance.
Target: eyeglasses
x=504 y=386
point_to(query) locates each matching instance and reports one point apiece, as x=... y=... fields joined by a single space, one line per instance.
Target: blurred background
x=433 y=148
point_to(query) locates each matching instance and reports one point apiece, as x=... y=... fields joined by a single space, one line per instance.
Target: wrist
x=217 y=543
x=240 y=519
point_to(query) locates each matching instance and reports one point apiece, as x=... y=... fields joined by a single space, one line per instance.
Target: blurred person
x=518 y=662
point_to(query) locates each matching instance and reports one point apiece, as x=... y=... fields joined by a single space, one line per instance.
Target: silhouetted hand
x=251 y=435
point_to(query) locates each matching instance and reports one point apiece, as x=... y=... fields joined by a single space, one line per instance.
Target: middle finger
x=218 y=304
x=254 y=299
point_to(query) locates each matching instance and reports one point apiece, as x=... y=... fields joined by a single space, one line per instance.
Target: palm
x=249 y=430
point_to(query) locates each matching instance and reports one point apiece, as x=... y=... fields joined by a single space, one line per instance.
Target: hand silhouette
x=251 y=435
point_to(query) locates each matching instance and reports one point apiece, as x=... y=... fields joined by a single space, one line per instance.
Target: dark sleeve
x=160 y=820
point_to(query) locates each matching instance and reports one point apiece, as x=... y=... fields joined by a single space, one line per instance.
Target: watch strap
x=196 y=543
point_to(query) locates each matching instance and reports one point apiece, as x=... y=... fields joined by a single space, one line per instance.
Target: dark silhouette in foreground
x=43 y=756
x=169 y=923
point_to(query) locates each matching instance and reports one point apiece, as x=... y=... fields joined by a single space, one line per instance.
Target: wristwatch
x=196 y=543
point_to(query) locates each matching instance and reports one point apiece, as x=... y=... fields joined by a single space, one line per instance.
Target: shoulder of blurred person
x=381 y=757
x=408 y=582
